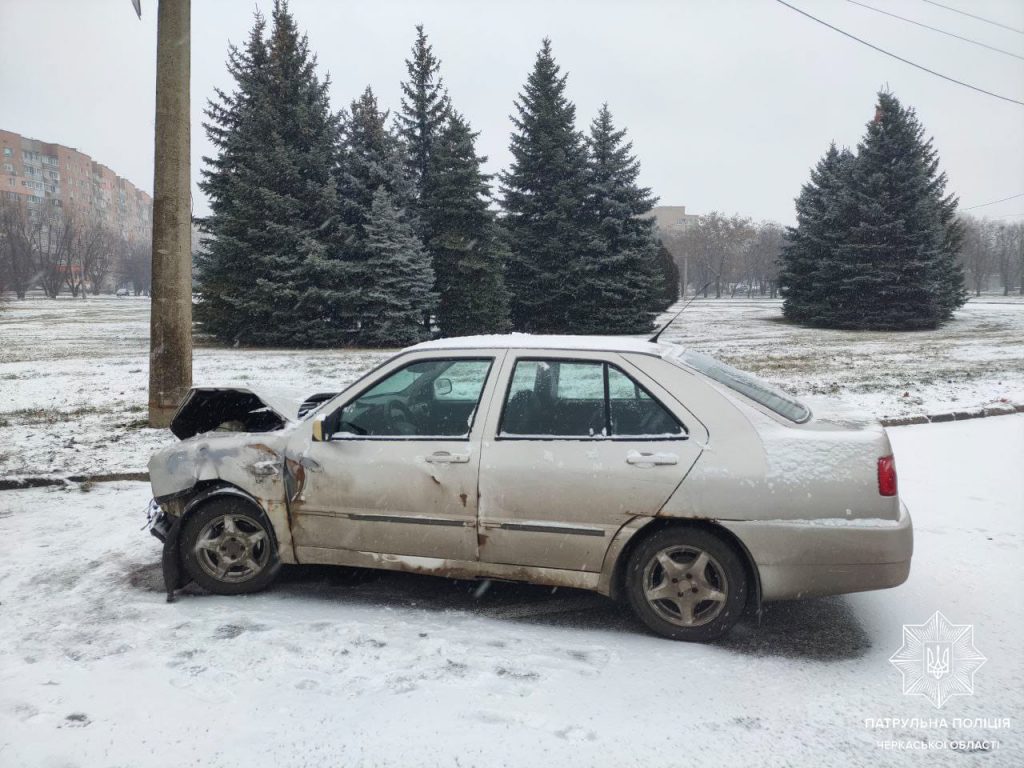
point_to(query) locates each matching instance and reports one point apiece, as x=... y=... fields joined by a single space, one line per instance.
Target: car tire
x=686 y=584
x=228 y=547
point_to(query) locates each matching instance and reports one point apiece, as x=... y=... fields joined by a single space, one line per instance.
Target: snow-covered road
x=399 y=670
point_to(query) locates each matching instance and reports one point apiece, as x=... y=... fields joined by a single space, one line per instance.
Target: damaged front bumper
x=167 y=530
x=157 y=521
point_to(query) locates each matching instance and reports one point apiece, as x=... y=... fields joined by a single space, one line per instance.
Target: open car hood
x=232 y=409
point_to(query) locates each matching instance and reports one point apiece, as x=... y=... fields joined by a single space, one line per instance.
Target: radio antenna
x=672 y=319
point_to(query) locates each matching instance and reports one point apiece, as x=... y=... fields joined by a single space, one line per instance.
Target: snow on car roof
x=543 y=341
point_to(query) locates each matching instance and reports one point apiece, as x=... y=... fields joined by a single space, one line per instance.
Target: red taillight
x=887 y=476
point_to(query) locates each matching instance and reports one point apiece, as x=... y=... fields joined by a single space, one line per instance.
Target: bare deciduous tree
x=992 y=250
x=1009 y=256
x=16 y=267
x=760 y=259
x=714 y=245
x=51 y=246
x=136 y=265
x=93 y=251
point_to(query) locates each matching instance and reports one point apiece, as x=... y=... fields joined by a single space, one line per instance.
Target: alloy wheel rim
x=685 y=586
x=233 y=548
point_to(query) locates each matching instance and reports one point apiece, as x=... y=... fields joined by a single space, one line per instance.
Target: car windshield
x=759 y=391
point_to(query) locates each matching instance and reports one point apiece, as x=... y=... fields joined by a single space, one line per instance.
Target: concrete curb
x=938 y=418
x=19 y=483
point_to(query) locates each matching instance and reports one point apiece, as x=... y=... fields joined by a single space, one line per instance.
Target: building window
x=7 y=152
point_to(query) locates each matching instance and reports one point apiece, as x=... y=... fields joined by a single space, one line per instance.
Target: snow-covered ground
x=73 y=374
x=400 y=670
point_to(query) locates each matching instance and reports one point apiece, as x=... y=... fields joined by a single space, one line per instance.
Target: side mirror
x=320 y=433
x=442 y=387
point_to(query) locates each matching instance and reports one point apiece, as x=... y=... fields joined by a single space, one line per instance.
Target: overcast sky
x=728 y=103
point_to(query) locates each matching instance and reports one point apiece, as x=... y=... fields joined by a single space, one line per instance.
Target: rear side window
x=634 y=412
x=581 y=399
x=747 y=384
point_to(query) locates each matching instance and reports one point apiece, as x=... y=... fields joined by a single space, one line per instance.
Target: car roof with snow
x=544 y=341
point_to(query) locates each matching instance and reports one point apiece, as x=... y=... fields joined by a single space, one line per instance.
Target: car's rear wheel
x=228 y=547
x=686 y=584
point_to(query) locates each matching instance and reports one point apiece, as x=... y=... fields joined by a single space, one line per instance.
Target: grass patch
x=51 y=416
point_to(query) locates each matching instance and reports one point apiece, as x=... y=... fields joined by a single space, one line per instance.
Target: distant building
x=42 y=174
x=672 y=218
x=672 y=222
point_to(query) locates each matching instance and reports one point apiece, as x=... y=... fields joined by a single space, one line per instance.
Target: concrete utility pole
x=170 y=325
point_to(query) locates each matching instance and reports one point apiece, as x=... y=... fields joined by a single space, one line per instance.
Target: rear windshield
x=746 y=384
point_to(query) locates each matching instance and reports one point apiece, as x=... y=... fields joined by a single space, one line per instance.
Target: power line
x=936 y=29
x=979 y=18
x=983 y=205
x=900 y=58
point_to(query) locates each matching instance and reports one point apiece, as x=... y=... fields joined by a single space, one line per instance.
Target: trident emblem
x=937 y=659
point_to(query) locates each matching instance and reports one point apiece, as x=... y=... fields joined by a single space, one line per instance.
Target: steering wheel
x=403 y=411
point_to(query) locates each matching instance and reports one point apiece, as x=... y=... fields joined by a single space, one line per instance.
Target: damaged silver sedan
x=642 y=471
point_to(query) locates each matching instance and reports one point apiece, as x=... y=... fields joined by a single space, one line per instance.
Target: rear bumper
x=811 y=558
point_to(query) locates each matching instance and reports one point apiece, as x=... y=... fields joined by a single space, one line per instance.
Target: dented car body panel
x=439 y=461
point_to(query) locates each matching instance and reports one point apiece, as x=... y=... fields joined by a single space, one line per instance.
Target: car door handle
x=444 y=457
x=650 y=459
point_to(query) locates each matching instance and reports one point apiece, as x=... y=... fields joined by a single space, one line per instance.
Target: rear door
x=575 y=448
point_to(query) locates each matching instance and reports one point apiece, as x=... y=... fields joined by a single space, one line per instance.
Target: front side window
x=428 y=398
x=581 y=399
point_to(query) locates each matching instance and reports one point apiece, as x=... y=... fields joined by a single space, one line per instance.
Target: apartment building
x=46 y=174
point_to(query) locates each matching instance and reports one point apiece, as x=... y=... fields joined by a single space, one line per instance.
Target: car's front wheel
x=228 y=547
x=686 y=584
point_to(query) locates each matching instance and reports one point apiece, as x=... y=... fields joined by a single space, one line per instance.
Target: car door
x=577 y=447
x=397 y=471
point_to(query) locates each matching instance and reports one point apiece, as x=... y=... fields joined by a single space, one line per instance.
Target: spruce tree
x=271 y=273
x=371 y=160
x=461 y=235
x=808 y=266
x=618 y=282
x=544 y=197
x=399 y=278
x=424 y=109
x=906 y=278
x=371 y=155
x=876 y=247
